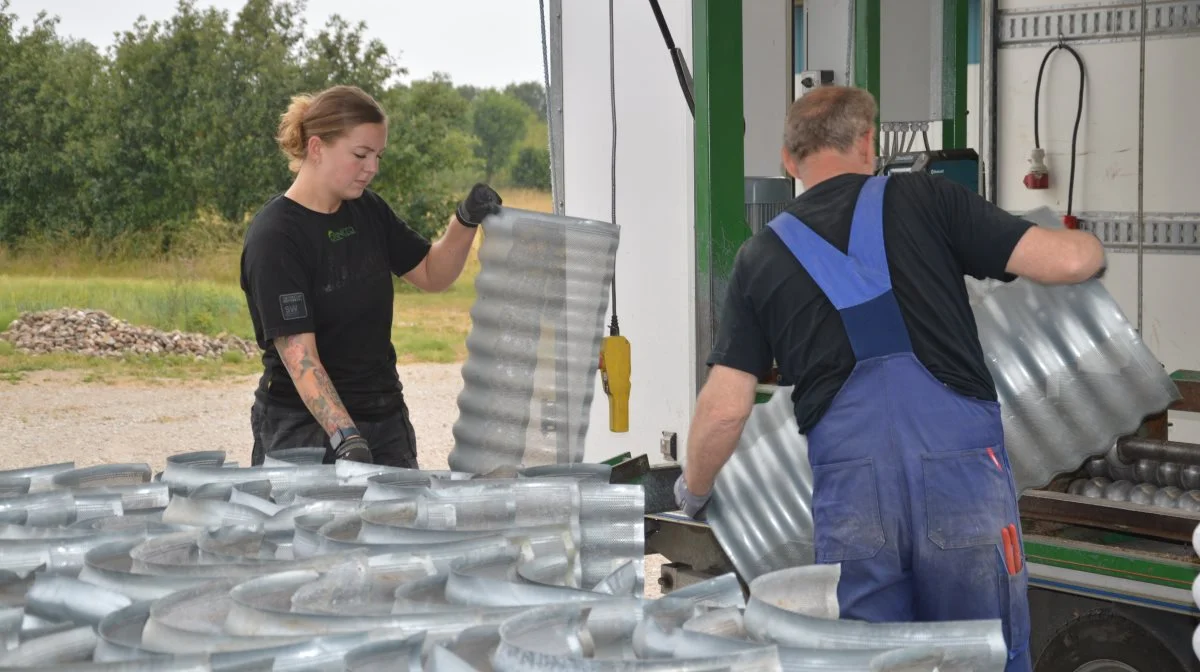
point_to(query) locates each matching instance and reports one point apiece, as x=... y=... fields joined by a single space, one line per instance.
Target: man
x=857 y=293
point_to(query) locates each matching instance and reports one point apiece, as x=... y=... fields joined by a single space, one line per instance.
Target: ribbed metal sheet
x=1071 y=373
x=532 y=354
x=761 y=508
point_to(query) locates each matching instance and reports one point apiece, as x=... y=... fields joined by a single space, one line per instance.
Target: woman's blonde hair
x=327 y=115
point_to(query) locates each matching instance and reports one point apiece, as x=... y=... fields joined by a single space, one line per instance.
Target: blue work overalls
x=911 y=483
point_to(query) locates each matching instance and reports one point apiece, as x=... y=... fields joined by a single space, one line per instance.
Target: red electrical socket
x=1038 y=176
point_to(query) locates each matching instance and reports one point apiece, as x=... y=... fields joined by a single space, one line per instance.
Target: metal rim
x=1105 y=665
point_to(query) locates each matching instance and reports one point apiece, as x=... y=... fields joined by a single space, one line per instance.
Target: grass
x=200 y=293
x=199 y=306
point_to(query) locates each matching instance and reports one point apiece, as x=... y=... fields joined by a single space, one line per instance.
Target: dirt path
x=57 y=417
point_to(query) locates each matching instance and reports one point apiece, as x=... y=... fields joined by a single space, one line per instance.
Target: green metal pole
x=719 y=160
x=866 y=50
x=954 y=73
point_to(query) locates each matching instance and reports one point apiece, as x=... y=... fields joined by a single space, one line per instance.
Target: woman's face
x=348 y=164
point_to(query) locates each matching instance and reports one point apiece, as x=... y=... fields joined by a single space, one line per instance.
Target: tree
x=429 y=145
x=49 y=89
x=532 y=169
x=532 y=94
x=499 y=122
x=469 y=92
x=177 y=121
x=337 y=55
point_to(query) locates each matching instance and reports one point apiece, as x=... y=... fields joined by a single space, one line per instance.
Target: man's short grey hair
x=829 y=117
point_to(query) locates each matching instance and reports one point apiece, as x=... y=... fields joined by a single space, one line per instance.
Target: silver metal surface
x=1098 y=22
x=1142 y=20
x=70 y=646
x=1165 y=233
x=108 y=565
x=988 y=14
x=597 y=636
x=577 y=470
x=542 y=292
x=193 y=621
x=64 y=599
x=761 y=508
x=41 y=477
x=400 y=655
x=555 y=109
x=219 y=593
x=193 y=470
x=798 y=607
x=1071 y=373
x=471 y=649
x=495 y=583
x=103 y=475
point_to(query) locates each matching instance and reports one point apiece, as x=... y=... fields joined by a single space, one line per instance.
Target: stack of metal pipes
x=298 y=565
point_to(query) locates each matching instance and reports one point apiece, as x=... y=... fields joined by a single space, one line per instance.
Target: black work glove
x=481 y=202
x=354 y=449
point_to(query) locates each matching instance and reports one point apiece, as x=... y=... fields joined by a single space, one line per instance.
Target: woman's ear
x=315 y=147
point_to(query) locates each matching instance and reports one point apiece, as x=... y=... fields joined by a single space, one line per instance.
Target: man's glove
x=481 y=202
x=691 y=505
x=353 y=449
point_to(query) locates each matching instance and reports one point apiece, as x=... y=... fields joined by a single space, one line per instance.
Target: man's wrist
x=340 y=435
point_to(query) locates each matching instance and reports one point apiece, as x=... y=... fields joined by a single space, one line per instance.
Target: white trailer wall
x=655 y=261
x=1107 y=165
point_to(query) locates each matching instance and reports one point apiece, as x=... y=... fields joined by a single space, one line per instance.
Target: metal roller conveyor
x=1132 y=449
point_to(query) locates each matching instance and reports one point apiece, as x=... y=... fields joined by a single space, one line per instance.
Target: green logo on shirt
x=341 y=234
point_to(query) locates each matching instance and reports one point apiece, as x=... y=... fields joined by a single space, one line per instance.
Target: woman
x=317 y=269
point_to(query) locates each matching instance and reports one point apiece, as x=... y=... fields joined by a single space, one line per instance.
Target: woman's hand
x=481 y=202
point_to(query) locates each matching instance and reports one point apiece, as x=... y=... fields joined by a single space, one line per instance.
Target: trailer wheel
x=1104 y=642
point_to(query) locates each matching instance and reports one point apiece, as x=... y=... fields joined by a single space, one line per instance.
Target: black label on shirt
x=293 y=306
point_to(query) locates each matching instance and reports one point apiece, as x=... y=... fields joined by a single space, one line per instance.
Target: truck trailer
x=666 y=118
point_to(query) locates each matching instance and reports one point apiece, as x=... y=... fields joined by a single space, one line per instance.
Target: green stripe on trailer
x=1185 y=376
x=1107 y=561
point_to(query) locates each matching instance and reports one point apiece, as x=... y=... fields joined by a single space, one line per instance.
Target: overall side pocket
x=968 y=500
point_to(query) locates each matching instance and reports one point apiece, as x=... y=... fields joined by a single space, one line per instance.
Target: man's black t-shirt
x=935 y=232
x=330 y=274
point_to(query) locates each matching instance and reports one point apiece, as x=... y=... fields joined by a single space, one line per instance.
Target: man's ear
x=789 y=163
x=866 y=147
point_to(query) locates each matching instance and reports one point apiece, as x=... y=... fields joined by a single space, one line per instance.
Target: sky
x=487 y=43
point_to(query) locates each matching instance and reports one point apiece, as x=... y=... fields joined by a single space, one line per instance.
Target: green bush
x=532 y=169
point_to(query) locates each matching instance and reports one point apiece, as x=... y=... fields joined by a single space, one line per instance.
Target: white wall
x=655 y=260
x=1107 y=171
x=767 y=65
x=829 y=27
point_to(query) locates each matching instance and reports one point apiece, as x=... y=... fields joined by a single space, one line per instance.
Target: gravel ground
x=57 y=417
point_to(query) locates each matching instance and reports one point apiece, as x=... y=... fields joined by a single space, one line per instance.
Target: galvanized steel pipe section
x=808 y=621
x=534 y=342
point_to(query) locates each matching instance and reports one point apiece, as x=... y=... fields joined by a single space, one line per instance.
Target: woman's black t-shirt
x=330 y=274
